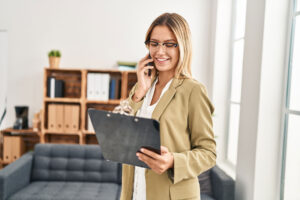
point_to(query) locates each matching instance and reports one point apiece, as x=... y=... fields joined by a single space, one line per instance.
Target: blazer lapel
x=166 y=98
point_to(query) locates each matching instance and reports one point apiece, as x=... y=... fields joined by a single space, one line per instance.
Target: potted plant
x=54 y=58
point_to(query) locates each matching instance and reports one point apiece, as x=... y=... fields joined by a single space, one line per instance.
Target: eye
x=170 y=44
x=153 y=44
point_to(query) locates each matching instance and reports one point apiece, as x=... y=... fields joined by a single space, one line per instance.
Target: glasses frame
x=163 y=44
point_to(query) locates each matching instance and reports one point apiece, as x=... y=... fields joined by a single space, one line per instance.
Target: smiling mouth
x=161 y=60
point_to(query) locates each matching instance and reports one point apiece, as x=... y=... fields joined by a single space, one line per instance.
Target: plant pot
x=54 y=62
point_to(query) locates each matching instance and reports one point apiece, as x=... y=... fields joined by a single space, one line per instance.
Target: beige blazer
x=184 y=113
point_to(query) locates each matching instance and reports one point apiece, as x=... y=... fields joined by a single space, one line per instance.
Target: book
x=115 y=87
x=125 y=68
x=55 y=88
x=112 y=87
x=118 y=88
x=129 y=64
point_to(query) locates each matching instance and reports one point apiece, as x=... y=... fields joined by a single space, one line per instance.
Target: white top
x=146 y=110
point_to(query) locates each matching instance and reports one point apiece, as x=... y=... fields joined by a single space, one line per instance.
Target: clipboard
x=121 y=137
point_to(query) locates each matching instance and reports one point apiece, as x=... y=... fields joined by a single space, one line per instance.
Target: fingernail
x=142 y=150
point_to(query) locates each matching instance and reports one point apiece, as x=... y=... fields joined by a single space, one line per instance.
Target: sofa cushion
x=83 y=163
x=68 y=191
x=205 y=182
x=206 y=197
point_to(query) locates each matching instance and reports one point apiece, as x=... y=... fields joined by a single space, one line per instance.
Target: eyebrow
x=169 y=40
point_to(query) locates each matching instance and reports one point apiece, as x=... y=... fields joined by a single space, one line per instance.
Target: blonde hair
x=179 y=26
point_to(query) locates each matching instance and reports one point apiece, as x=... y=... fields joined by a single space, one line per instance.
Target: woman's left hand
x=158 y=163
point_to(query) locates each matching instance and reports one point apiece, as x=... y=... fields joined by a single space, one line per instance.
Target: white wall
x=3 y=74
x=90 y=34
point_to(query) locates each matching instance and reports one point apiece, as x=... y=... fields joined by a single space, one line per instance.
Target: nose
x=161 y=48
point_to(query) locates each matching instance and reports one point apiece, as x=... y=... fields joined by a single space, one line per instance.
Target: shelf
x=46 y=131
x=63 y=69
x=86 y=132
x=3 y=162
x=111 y=102
x=63 y=100
x=109 y=71
x=75 y=92
x=12 y=131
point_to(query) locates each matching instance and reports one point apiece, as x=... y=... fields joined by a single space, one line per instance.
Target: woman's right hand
x=144 y=81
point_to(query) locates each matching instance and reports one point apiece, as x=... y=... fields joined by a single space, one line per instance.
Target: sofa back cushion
x=67 y=162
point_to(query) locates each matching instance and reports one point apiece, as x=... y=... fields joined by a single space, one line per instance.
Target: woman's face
x=165 y=56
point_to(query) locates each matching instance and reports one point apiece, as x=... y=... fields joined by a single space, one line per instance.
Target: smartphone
x=149 y=64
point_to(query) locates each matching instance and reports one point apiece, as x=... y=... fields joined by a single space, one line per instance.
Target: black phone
x=149 y=64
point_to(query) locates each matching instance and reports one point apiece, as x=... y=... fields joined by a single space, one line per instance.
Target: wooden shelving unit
x=16 y=142
x=13 y=143
x=76 y=94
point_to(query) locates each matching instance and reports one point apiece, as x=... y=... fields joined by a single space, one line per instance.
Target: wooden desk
x=14 y=143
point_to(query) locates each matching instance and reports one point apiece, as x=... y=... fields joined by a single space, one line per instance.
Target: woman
x=184 y=111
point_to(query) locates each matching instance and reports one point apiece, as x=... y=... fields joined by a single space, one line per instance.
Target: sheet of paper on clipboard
x=121 y=136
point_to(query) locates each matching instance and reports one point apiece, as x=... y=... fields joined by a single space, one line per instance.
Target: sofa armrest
x=15 y=176
x=222 y=184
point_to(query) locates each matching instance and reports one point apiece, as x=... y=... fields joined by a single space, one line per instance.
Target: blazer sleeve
x=202 y=155
x=134 y=105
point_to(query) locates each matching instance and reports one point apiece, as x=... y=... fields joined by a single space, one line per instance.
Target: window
x=239 y=19
x=290 y=183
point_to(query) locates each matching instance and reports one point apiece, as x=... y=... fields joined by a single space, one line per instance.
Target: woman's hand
x=144 y=81
x=158 y=163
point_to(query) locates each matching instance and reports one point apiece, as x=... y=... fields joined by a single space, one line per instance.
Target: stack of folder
x=103 y=86
x=98 y=86
x=125 y=66
x=63 y=117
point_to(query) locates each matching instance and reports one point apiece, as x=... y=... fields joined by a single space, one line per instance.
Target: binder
x=121 y=136
x=52 y=117
x=55 y=88
x=71 y=118
x=112 y=87
x=97 y=86
x=104 y=87
x=59 y=120
x=90 y=86
x=13 y=148
x=75 y=118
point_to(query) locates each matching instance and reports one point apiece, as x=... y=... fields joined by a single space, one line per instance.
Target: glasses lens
x=170 y=44
x=153 y=44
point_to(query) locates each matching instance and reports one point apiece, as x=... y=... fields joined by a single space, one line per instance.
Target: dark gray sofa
x=79 y=172
x=215 y=184
x=61 y=172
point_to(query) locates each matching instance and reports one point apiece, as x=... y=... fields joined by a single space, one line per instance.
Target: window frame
x=229 y=102
x=286 y=110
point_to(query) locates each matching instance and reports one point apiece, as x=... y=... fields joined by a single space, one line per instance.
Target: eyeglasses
x=155 y=45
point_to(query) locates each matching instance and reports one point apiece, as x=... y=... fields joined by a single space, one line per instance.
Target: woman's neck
x=164 y=78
